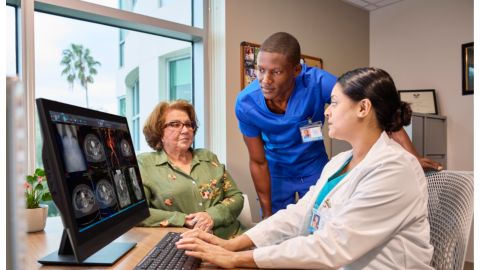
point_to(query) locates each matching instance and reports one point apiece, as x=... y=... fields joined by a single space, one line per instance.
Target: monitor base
x=108 y=255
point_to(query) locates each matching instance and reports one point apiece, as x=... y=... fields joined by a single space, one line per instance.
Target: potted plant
x=36 y=190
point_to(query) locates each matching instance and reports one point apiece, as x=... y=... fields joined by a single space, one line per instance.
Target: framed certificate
x=421 y=101
x=467 y=68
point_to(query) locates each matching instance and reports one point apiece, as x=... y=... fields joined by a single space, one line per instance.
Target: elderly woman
x=186 y=187
x=368 y=210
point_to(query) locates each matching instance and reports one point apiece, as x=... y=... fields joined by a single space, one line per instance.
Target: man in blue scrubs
x=286 y=98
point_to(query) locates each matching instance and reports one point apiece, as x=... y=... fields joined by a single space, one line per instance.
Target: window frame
x=135 y=116
x=90 y=12
x=169 y=62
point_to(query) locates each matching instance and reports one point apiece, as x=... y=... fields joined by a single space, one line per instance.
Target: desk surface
x=40 y=244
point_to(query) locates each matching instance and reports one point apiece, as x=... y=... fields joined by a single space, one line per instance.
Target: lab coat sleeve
x=284 y=224
x=382 y=203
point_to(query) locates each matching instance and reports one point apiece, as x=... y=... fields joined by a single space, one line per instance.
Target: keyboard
x=166 y=256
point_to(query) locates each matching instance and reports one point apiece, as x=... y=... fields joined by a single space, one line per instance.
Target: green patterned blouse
x=172 y=194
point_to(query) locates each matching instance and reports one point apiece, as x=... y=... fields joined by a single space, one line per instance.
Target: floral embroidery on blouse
x=227 y=185
x=227 y=201
x=214 y=164
x=168 y=202
x=172 y=176
x=209 y=190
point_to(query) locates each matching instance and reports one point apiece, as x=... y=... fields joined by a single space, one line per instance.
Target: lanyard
x=331 y=183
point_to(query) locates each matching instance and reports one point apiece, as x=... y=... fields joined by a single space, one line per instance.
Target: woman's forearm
x=244 y=259
x=241 y=242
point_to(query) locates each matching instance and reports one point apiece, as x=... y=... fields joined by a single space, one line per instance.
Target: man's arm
x=259 y=172
x=402 y=138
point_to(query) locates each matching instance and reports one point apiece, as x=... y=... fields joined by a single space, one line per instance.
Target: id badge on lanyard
x=311 y=131
x=318 y=219
x=315 y=221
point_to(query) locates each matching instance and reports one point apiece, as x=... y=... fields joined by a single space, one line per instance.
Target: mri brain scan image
x=83 y=200
x=93 y=148
x=136 y=186
x=105 y=194
x=126 y=148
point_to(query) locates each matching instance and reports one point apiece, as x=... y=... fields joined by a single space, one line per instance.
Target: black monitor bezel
x=89 y=241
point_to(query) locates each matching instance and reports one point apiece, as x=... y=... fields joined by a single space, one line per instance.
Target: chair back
x=450 y=212
x=245 y=216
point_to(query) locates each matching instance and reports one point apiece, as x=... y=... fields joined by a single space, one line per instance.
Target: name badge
x=311 y=132
x=315 y=221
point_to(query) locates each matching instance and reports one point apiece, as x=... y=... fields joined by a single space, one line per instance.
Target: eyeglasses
x=179 y=125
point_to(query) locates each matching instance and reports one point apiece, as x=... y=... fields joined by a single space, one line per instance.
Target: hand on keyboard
x=166 y=256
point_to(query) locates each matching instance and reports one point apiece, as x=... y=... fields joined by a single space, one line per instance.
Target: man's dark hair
x=283 y=43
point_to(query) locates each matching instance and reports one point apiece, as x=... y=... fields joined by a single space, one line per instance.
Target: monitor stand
x=105 y=256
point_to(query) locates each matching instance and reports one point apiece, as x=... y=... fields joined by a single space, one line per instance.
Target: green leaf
x=30 y=179
x=46 y=196
x=38 y=187
x=40 y=172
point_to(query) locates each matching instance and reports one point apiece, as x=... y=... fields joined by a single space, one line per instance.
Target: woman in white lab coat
x=368 y=210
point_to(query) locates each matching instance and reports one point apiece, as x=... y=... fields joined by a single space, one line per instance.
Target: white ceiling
x=371 y=4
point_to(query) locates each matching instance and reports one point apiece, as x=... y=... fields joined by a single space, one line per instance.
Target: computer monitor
x=94 y=179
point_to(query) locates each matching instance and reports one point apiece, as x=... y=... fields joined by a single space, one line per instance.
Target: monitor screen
x=93 y=175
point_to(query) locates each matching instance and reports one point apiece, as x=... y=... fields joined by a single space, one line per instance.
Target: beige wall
x=332 y=30
x=419 y=44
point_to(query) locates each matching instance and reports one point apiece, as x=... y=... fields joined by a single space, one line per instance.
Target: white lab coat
x=377 y=218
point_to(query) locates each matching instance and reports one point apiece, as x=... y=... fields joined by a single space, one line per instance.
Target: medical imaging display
x=72 y=154
x=122 y=189
x=92 y=146
x=119 y=149
x=135 y=185
x=105 y=193
x=83 y=200
x=126 y=148
x=99 y=160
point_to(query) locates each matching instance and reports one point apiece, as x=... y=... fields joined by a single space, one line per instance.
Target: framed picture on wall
x=467 y=68
x=421 y=101
x=248 y=62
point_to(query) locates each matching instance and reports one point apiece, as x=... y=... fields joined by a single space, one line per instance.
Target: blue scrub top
x=286 y=154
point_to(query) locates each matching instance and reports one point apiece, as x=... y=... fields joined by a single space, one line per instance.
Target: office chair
x=450 y=212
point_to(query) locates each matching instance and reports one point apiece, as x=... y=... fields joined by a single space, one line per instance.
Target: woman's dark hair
x=283 y=43
x=376 y=85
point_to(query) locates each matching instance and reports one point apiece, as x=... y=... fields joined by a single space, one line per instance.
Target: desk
x=40 y=244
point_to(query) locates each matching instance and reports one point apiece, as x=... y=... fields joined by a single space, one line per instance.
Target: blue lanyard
x=331 y=183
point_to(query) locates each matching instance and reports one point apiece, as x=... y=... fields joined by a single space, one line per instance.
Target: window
x=122 y=106
x=145 y=48
x=101 y=89
x=179 y=11
x=180 y=79
x=11 y=42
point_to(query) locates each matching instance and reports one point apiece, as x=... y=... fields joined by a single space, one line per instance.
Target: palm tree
x=80 y=65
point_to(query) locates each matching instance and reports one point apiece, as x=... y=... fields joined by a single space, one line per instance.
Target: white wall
x=333 y=30
x=419 y=44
